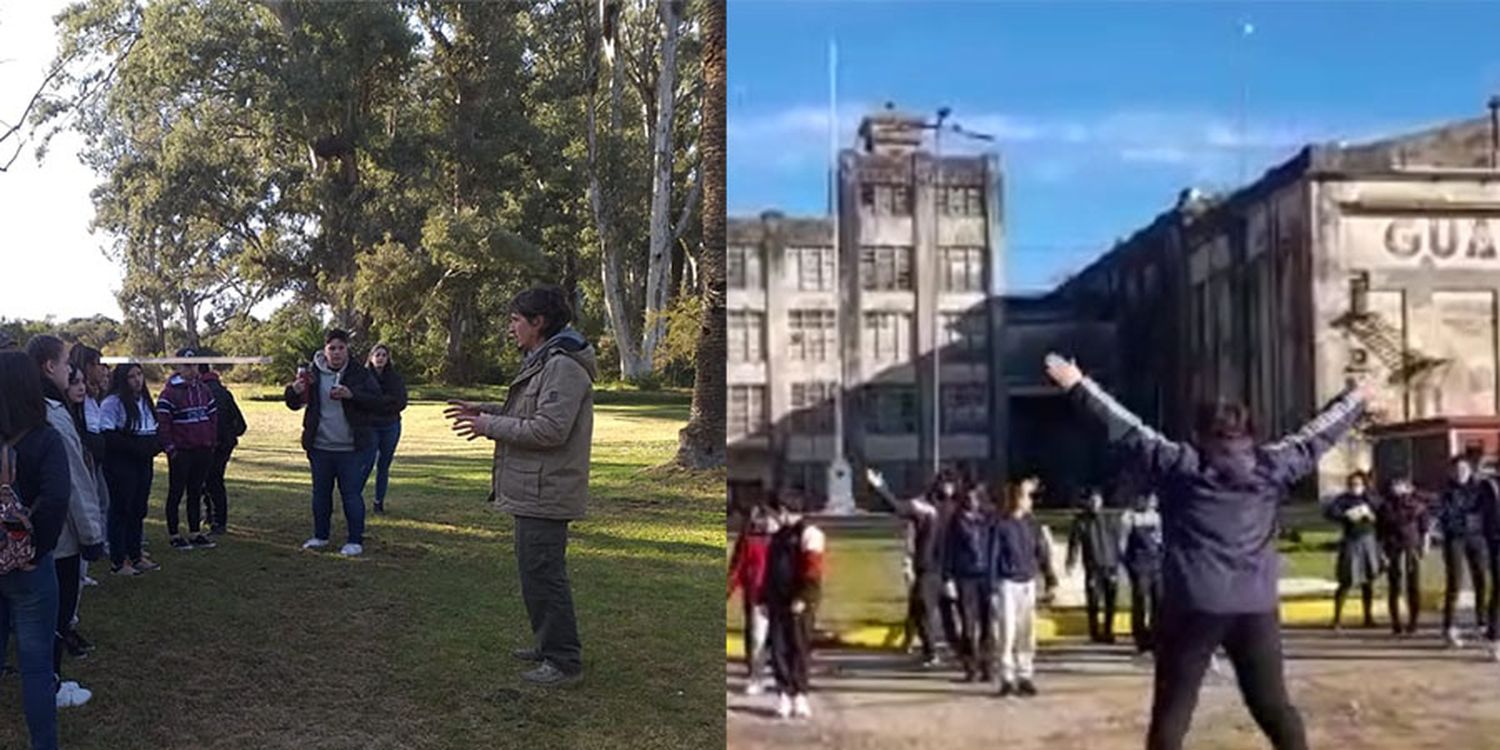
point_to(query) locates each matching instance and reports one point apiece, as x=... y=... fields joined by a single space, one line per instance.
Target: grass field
x=257 y=644
x=864 y=585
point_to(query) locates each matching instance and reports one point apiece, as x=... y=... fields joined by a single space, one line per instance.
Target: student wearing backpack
x=188 y=425
x=82 y=534
x=231 y=426
x=128 y=420
x=34 y=492
x=385 y=418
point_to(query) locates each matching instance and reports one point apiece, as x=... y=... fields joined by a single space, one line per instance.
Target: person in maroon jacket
x=188 y=425
x=1402 y=524
x=747 y=574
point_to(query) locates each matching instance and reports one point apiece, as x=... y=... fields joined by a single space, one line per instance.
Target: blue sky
x=1104 y=110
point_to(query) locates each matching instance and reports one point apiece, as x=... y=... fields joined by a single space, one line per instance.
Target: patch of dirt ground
x=1355 y=689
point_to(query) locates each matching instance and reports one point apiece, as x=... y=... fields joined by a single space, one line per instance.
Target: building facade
x=1346 y=262
x=896 y=300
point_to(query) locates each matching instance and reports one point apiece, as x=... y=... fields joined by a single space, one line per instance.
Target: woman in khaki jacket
x=542 y=436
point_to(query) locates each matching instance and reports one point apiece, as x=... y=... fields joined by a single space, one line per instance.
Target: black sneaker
x=527 y=654
x=70 y=641
x=1006 y=690
x=203 y=542
x=179 y=543
x=1025 y=689
x=219 y=530
x=379 y=508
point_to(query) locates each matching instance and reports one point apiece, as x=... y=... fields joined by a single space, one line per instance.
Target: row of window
x=881 y=268
x=886 y=337
x=883 y=410
x=895 y=199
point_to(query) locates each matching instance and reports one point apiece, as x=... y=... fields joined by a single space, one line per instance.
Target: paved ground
x=1358 y=688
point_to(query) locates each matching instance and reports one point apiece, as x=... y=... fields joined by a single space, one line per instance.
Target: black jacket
x=1219 y=502
x=387 y=410
x=366 y=395
x=1020 y=551
x=44 y=483
x=231 y=420
x=967 y=551
x=1097 y=537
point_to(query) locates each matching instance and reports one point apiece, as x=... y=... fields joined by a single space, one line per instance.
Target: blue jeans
x=386 y=439
x=28 y=601
x=348 y=468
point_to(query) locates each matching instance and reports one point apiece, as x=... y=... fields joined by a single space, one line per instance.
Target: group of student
x=1393 y=530
x=78 y=443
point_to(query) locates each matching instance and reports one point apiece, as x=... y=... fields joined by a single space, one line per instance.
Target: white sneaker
x=87 y=581
x=72 y=695
x=784 y=706
x=1494 y=651
x=1453 y=639
x=314 y=543
x=801 y=708
x=753 y=688
x=351 y=550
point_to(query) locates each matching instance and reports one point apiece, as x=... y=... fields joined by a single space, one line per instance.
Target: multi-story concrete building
x=1376 y=260
x=900 y=307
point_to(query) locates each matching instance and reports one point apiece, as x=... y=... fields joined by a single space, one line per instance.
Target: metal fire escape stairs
x=1409 y=368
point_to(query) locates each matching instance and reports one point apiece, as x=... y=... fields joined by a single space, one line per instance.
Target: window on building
x=747 y=410
x=812 y=336
x=809 y=476
x=887 y=337
x=905 y=478
x=963 y=269
x=890 y=410
x=966 y=408
x=812 y=407
x=965 y=336
x=747 y=335
x=886 y=198
x=814 y=268
x=743 y=267
x=960 y=201
x=885 y=268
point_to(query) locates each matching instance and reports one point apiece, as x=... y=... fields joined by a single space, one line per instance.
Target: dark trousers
x=951 y=614
x=922 y=610
x=1101 y=589
x=1187 y=640
x=791 y=646
x=978 y=651
x=1456 y=552
x=129 y=481
x=1145 y=607
x=1492 y=632
x=187 y=471
x=348 y=469
x=67 y=604
x=214 y=492
x=1366 y=597
x=1405 y=575
x=541 y=553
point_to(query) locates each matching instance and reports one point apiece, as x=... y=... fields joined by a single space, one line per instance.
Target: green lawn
x=257 y=644
x=864 y=585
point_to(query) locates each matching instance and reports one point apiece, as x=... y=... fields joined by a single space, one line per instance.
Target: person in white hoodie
x=83 y=531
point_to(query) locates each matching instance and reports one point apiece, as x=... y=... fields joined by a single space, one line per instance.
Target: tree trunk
x=615 y=307
x=455 y=366
x=701 y=442
x=659 y=258
x=190 y=319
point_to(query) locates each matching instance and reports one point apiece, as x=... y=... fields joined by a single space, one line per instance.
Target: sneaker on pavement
x=202 y=542
x=314 y=543
x=1025 y=688
x=548 y=674
x=1006 y=690
x=801 y=708
x=146 y=564
x=753 y=688
x=71 y=695
x=1453 y=639
x=352 y=550
x=526 y=654
x=179 y=543
x=784 y=706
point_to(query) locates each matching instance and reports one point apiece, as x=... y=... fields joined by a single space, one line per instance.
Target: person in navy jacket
x=1219 y=495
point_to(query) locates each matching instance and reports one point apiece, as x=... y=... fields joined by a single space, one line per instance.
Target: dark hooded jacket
x=365 y=394
x=1219 y=504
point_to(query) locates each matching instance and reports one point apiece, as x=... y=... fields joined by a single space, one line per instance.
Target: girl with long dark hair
x=128 y=421
x=385 y=418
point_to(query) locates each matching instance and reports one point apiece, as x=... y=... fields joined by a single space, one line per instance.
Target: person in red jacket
x=747 y=574
x=188 y=426
x=793 y=588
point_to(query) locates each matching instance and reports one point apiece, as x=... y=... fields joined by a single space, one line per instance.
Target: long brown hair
x=1019 y=489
